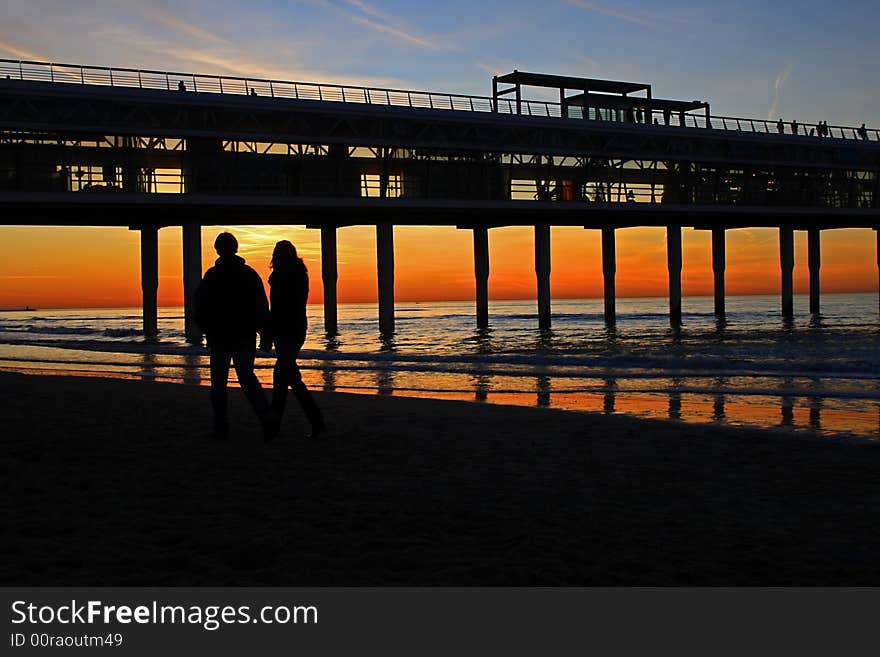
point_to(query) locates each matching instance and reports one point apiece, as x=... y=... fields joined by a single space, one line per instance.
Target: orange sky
x=99 y=267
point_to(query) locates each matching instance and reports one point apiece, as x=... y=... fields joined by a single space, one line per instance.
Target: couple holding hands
x=231 y=308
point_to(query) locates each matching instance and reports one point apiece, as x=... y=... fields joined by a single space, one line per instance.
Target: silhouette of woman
x=289 y=290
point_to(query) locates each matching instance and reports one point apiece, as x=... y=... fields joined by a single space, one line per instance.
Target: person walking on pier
x=780 y=127
x=794 y=127
x=231 y=308
x=288 y=292
x=863 y=132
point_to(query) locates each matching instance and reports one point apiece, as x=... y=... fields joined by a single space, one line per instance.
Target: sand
x=115 y=483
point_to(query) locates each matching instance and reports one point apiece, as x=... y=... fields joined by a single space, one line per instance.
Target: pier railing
x=224 y=84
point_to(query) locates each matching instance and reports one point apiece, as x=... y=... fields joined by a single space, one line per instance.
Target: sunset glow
x=63 y=267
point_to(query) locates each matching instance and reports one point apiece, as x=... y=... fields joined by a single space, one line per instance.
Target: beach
x=115 y=482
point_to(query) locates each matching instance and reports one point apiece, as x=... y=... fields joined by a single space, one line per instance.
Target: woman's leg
x=289 y=370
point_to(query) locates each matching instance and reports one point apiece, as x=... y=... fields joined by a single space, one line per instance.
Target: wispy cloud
x=21 y=53
x=777 y=88
x=154 y=11
x=645 y=19
x=221 y=59
x=379 y=21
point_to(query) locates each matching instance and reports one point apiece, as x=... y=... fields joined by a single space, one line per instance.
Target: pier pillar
x=150 y=280
x=542 y=271
x=609 y=269
x=814 y=258
x=481 y=274
x=786 y=261
x=719 y=264
x=877 y=231
x=329 y=276
x=385 y=268
x=192 y=276
x=673 y=264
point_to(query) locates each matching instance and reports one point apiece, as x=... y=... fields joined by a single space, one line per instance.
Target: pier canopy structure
x=147 y=149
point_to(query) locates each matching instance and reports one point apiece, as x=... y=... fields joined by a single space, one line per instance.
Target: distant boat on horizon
x=17 y=310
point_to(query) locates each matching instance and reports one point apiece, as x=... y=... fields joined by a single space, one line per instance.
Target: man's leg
x=219 y=379
x=243 y=359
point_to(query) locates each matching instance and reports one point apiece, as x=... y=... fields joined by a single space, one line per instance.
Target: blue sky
x=807 y=60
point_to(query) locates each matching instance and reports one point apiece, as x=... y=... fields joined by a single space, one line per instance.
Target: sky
x=808 y=61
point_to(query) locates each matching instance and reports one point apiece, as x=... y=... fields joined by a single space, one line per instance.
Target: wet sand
x=116 y=483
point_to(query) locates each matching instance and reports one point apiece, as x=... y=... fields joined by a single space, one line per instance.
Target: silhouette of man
x=863 y=132
x=231 y=308
x=794 y=127
x=780 y=127
x=181 y=86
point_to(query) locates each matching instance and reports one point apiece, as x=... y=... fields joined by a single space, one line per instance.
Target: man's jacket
x=231 y=304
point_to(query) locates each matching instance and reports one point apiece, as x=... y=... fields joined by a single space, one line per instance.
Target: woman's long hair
x=284 y=258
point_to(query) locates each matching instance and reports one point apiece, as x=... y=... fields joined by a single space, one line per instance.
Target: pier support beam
x=719 y=264
x=150 y=280
x=786 y=261
x=329 y=276
x=385 y=267
x=192 y=276
x=609 y=269
x=877 y=231
x=673 y=264
x=814 y=259
x=481 y=275
x=542 y=272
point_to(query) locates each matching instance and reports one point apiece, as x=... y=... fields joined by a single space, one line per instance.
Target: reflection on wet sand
x=191 y=366
x=544 y=390
x=148 y=367
x=482 y=385
x=328 y=376
x=608 y=399
x=384 y=382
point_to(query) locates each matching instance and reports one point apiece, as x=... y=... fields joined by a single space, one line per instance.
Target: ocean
x=815 y=373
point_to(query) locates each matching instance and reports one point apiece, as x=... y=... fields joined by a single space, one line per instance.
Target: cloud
x=21 y=52
x=384 y=28
x=777 y=88
x=226 y=59
x=644 y=19
x=378 y=21
x=153 y=11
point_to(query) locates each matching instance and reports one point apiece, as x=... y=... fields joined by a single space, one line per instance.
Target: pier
x=145 y=149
